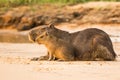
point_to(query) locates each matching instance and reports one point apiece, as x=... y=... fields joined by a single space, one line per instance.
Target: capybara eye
x=34 y=34
x=41 y=36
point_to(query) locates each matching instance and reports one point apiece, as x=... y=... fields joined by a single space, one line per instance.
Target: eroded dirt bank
x=27 y=17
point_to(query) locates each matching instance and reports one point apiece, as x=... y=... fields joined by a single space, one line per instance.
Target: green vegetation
x=29 y=2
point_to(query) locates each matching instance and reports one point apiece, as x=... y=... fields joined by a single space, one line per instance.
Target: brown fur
x=57 y=48
x=89 y=44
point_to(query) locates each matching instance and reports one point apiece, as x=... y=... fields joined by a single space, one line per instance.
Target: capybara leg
x=50 y=57
x=54 y=58
x=102 y=53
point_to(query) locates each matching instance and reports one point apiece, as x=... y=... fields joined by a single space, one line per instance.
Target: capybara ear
x=52 y=25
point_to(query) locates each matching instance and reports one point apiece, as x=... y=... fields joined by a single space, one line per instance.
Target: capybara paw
x=60 y=60
x=35 y=59
x=43 y=58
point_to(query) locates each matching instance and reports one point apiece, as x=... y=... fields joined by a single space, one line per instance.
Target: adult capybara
x=89 y=44
x=57 y=47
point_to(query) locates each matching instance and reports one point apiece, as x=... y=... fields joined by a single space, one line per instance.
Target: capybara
x=57 y=47
x=89 y=44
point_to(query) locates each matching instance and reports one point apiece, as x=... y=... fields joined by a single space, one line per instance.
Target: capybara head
x=34 y=33
x=42 y=38
x=45 y=38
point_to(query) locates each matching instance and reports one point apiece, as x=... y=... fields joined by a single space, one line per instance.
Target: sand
x=15 y=64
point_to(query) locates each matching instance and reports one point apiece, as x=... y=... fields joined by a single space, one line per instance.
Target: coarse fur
x=89 y=44
x=58 y=48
